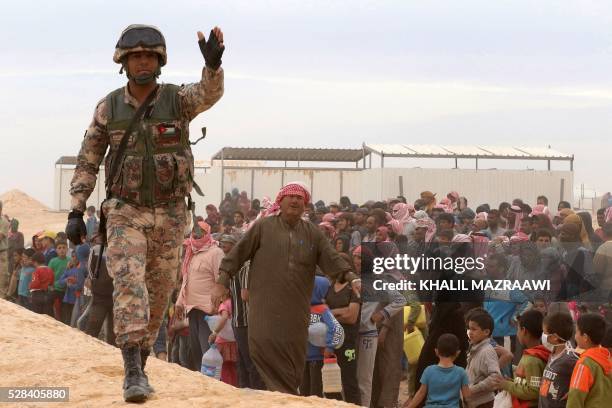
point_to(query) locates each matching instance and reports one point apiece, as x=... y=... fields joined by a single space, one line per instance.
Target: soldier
x=151 y=176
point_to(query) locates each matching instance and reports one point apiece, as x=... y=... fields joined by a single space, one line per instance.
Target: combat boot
x=135 y=387
x=144 y=354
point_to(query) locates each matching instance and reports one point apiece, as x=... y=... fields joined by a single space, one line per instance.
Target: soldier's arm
x=90 y=156
x=197 y=97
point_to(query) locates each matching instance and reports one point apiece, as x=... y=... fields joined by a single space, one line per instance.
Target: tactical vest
x=157 y=167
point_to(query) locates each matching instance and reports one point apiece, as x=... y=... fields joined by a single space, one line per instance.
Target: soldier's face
x=142 y=63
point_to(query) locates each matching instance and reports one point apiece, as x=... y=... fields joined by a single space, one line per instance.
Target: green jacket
x=591 y=383
x=525 y=388
x=58 y=265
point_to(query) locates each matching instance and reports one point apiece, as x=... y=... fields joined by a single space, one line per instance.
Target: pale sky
x=323 y=74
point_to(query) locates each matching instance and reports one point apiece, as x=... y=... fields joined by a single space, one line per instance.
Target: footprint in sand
x=109 y=371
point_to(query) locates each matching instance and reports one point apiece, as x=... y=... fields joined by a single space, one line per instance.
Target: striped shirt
x=240 y=317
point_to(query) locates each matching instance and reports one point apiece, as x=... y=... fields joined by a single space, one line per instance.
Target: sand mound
x=17 y=200
x=33 y=215
x=39 y=351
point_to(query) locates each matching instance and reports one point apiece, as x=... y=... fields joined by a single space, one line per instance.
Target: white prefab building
x=350 y=172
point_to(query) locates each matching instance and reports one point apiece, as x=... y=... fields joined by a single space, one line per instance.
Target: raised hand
x=212 y=50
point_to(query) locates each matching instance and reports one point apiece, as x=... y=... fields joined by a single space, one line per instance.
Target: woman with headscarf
x=226 y=207
x=244 y=204
x=453 y=197
x=584 y=237
x=200 y=270
x=587 y=223
x=430 y=201
x=213 y=218
x=564 y=212
x=342 y=243
x=255 y=205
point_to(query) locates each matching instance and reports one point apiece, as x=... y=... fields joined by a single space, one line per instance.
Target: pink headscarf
x=193 y=245
x=329 y=228
x=461 y=238
x=481 y=216
x=401 y=217
x=519 y=237
x=296 y=188
x=329 y=218
x=541 y=209
x=518 y=217
x=423 y=221
x=447 y=205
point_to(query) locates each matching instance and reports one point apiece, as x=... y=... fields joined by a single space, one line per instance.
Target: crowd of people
x=522 y=348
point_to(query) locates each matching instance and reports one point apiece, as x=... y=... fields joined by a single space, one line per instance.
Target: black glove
x=75 y=228
x=212 y=51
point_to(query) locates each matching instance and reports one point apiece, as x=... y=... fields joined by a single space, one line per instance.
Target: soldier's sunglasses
x=145 y=36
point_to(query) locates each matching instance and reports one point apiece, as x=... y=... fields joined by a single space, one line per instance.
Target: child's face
x=339 y=245
x=26 y=261
x=445 y=225
x=61 y=250
x=443 y=240
x=475 y=333
x=543 y=242
x=16 y=257
x=540 y=306
x=553 y=338
x=582 y=340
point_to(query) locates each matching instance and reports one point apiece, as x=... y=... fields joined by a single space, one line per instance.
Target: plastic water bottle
x=330 y=373
x=226 y=332
x=317 y=334
x=212 y=362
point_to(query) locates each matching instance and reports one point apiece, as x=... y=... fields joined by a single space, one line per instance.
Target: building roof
x=485 y=152
x=289 y=154
x=68 y=160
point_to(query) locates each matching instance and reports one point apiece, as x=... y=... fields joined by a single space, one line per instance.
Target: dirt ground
x=38 y=351
x=33 y=215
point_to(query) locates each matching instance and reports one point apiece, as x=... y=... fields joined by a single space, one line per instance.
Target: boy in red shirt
x=42 y=278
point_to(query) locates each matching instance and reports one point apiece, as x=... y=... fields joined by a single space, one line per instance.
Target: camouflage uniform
x=146 y=217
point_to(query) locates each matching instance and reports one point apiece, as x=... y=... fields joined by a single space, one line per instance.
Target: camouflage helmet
x=140 y=37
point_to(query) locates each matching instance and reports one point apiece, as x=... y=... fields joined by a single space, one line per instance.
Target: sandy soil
x=36 y=350
x=33 y=215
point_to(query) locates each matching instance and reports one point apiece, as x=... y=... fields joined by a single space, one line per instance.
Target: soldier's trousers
x=143 y=259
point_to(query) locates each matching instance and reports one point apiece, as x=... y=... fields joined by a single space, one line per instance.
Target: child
x=227 y=348
x=25 y=277
x=526 y=385
x=591 y=385
x=73 y=280
x=558 y=329
x=312 y=383
x=444 y=383
x=482 y=359
x=58 y=264
x=42 y=280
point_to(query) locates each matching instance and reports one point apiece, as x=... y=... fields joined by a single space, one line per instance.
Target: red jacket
x=42 y=278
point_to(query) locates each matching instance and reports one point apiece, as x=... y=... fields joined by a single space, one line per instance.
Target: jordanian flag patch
x=166 y=129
